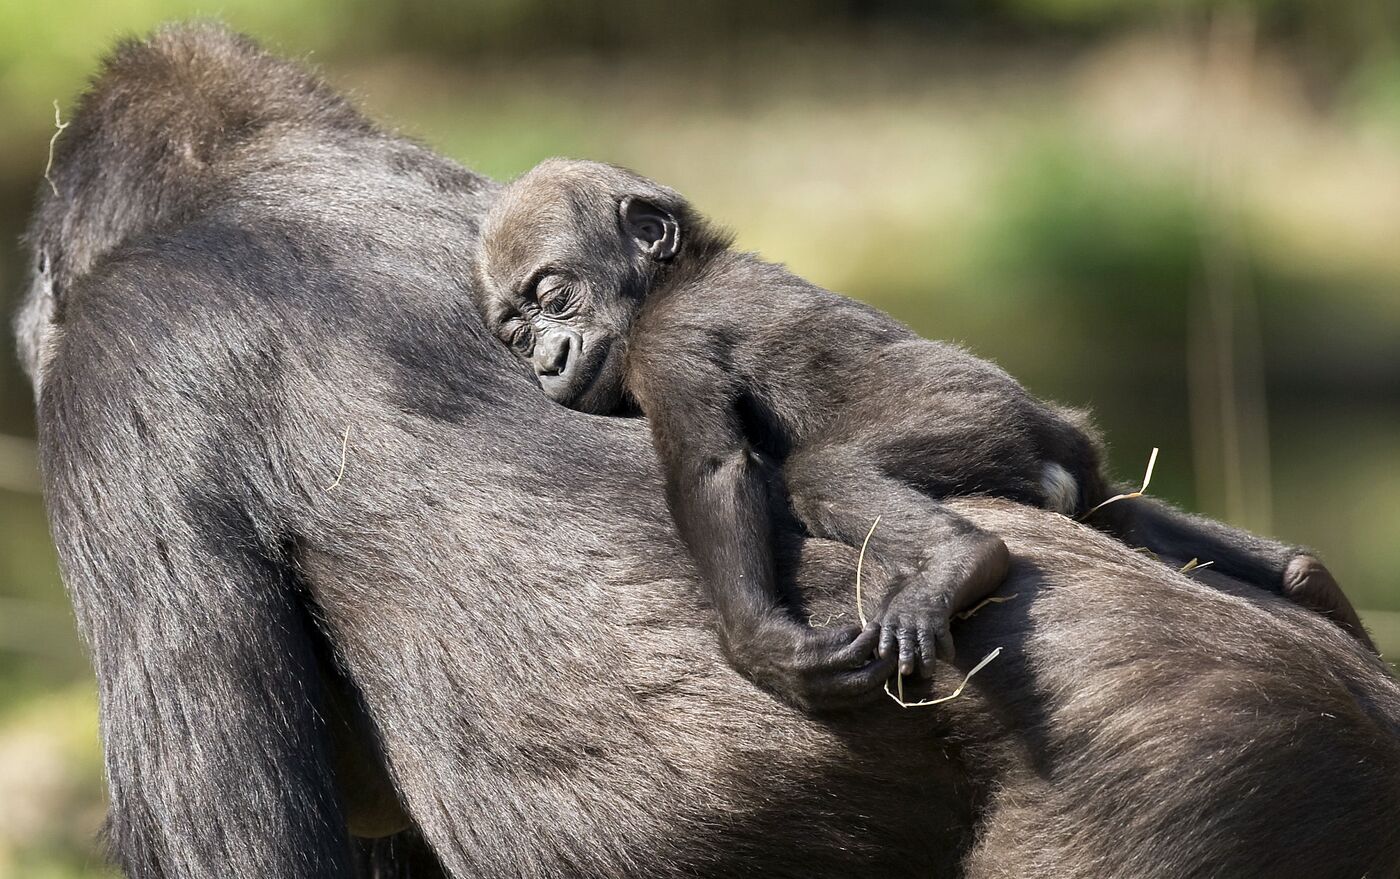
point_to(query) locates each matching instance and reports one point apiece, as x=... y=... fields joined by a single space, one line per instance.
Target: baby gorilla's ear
x=656 y=232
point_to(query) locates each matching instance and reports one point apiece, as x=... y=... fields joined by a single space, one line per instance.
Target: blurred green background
x=1182 y=214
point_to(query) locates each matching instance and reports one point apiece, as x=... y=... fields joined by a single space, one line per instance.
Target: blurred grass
x=1062 y=184
x=50 y=777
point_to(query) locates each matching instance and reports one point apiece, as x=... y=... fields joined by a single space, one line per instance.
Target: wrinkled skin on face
x=568 y=252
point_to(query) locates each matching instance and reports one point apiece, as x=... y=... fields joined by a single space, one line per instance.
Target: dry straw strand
x=899 y=683
x=59 y=125
x=344 y=448
x=991 y=599
x=860 y=568
x=1146 y=481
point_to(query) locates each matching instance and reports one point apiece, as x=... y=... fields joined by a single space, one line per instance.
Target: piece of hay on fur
x=1146 y=481
x=899 y=683
x=59 y=125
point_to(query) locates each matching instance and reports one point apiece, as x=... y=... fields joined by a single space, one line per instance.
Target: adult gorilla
x=309 y=513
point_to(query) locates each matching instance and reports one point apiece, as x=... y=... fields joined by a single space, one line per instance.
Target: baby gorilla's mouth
x=593 y=387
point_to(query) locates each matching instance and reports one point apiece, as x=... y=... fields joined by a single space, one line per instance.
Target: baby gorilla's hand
x=914 y=619
x=813 y=669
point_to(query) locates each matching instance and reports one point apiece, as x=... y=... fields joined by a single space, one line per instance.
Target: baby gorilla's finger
x=819 y=646
x=863 y=682
x=859 y=651
x=838 y=637
x=842 y=690
x=942 y=639
x=1308 y=582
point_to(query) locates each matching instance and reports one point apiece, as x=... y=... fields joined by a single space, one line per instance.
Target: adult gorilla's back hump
x=294 y=484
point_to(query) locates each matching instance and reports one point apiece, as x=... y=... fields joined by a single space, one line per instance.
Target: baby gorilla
x=617 y=293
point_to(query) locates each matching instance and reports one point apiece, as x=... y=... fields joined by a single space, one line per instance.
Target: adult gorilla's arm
x=279 y=449
x=213 y=712
x=226 y=717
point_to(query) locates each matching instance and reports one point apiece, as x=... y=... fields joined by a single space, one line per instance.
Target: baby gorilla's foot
x=914 y=626
x=1309 y=583
x=914 y=620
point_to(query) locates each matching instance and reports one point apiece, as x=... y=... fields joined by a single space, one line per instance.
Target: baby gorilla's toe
x=943 y=641
x=1309 y=583
x=920 y=644
x=889 y=642
x=908 y=649
x=930 y=651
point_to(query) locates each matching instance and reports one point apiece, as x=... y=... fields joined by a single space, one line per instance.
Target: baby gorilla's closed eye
x=556 y=297
x=521 y=339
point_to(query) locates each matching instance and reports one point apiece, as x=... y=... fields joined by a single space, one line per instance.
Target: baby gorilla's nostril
x=552 y=354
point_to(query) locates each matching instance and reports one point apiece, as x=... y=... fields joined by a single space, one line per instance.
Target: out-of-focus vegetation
x=1183 y=214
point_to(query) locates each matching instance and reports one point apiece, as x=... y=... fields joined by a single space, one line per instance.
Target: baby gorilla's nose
x=552 y=353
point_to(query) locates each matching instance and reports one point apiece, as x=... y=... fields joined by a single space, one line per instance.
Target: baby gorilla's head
x=568 y=252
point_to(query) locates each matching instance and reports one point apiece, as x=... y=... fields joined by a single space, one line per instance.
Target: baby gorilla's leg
x=1277 y=567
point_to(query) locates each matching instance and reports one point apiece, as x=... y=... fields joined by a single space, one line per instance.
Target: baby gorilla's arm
x=943 y=563
x=722 y=509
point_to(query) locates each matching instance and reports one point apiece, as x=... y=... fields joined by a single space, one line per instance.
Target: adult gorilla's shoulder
x=311 y=515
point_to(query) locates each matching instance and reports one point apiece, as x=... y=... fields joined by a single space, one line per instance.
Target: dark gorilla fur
x=242 y=283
